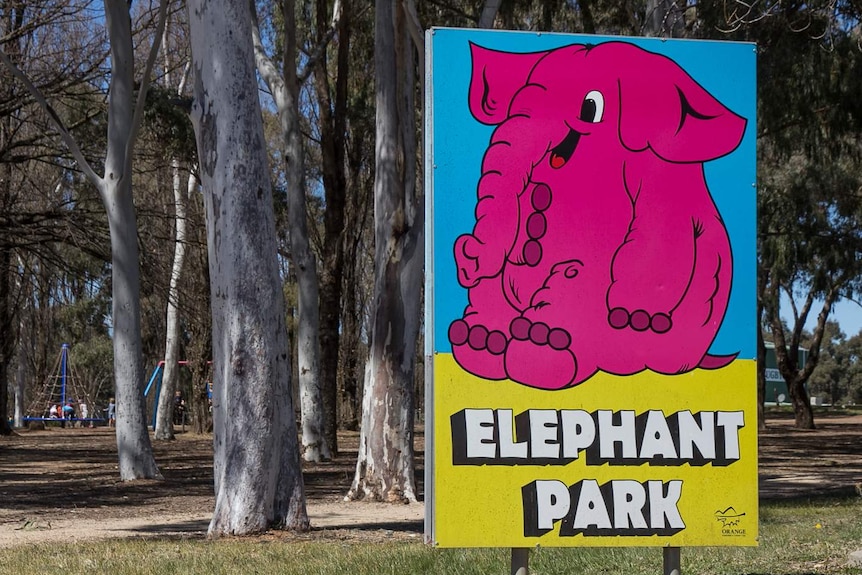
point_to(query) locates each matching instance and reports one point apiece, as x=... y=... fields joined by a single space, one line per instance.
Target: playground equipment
x=63 y=388
x=155 y=385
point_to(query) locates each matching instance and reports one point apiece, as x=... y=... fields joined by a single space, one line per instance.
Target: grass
x=797 y=537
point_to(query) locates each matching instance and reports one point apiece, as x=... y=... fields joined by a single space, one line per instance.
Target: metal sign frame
x=541 y=430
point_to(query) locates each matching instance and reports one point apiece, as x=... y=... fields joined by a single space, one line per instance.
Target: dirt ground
x=63 y=485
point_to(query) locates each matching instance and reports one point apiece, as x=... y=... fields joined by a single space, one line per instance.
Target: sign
x=590 y=291
x=773 y=375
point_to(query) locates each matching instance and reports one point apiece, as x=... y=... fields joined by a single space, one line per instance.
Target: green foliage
x=838 y=377
x=809 y=204
x=168 y=123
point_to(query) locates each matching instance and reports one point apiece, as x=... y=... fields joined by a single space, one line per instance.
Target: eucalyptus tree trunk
x=165 y=412
x=664 y=18
x=164 y=415
x=134 y=449
x=13 y=16
x=7 y=319
x=787 y=349
x=333 y=146
x=285 y=93
x=385 y=468
x=26 y=343
x=258 y=481
x=7 y=312
x=761 y=350
x=489 y=13
x=20 y=383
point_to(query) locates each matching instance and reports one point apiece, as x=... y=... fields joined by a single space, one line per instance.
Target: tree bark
x=761 y=376
x=285 y=91
x=803 y=414
x=136 y=460
x=761 y=349
x=385 y=465
x=21 y=375
x=787 y=352
x=489 y=13
x=664 y=18
x=258 y=481
x=167 y=404
x=165 y=414
x=134 y=449
x=7 y=327
x=333 y=116
x=7 y=332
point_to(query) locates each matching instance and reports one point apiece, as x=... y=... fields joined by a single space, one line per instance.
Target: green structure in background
x=776 y=387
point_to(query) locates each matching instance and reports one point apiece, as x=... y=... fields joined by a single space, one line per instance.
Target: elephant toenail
x=661 y=323
x=640 y=320
x=541 y=197
x=478 y=337
x=539 y=333
x=559 y=339
x=532 y=253
x=537 y=225
x=458 y=332
x=496 y=342
x=618 y=318
x=520 y=328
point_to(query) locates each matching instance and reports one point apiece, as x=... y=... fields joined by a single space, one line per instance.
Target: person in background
x=112 y=413
x=179 y=408
x=69 y=411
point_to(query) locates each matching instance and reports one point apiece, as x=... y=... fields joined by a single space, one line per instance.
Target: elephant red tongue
x=557 y=162
x=561 y=153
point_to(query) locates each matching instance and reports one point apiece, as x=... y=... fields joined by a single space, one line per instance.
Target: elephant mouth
x=561 y=153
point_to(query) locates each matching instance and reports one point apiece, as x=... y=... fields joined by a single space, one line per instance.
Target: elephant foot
x=539 y=356
x=478 y=350
x=639 y=320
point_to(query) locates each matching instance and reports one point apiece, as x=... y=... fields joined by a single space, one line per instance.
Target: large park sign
x=591 y=280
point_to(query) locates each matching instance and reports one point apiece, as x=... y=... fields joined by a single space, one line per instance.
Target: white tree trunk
x=385 y=466
x=164 y=415
x=258 y=481
x=134 y=449
x=285 y=91
x=21 y=375
x=165 y=411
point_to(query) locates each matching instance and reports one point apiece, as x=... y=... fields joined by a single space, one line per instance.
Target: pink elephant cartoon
x=597 y=245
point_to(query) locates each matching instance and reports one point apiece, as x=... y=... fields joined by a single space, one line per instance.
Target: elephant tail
x=716 y=361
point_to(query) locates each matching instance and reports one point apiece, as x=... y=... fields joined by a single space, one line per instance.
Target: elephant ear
x=664 y=109
x=496 y=78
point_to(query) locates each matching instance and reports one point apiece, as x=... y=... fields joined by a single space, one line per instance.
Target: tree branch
x=145 y=80
x=265 y=66
x=67 y=137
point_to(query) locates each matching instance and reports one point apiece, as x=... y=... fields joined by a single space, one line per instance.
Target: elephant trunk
x=507 y=167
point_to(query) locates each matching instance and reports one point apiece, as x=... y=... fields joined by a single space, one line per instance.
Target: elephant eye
x=593 y=107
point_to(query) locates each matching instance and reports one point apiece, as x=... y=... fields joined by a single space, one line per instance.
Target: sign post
x=590 y=292
x=520 y=561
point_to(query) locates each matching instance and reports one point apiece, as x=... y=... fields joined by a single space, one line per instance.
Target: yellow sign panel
x=643 y=460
